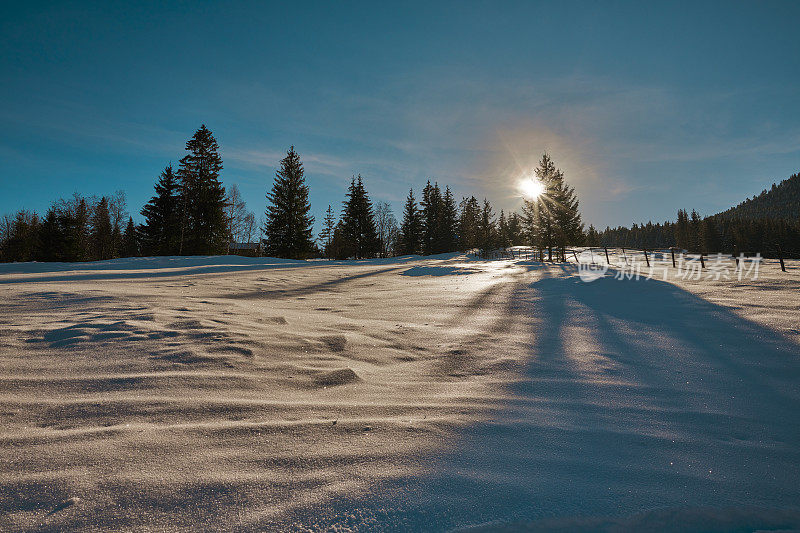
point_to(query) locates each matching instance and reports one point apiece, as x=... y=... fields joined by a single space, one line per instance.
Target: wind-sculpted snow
x=396 y=394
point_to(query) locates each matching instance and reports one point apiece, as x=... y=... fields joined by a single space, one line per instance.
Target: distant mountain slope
x=782 y=201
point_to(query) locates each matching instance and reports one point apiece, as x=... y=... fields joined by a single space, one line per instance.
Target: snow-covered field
x=230 y=393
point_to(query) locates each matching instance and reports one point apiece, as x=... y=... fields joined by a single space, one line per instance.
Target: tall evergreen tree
x=204 y=227
x=486 y=231
x=288 y=225
x=502 y=231
x=358 y=221
x=78 y=232
x=326 y=235
x=449 y=222
x=515 y=230
x=130 y=240
x=51 y=237
x=552 y=219
x=22 y=242
x=431 y=208
x=682 y=230
x=117 y=204
x=410 y=242
x=101 y=231
x=468 y=223
x=569 y=228
x=161 y=229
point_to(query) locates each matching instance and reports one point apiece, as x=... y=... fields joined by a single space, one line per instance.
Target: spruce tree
x=411 y=227
x=514 y=225
x=358 y=221
x=567 y=217
x=552 y=218
x=203 y=228
x=502 y=231
x=130 y=240
x=78 y=234
x=430 y=206
x=101 y=233
x=486 y=229
x=468 y=223
x=161 y=229
x=326 y=235
x=51 y=237
x=288 y=223
x=449 y=222
x=682 y=230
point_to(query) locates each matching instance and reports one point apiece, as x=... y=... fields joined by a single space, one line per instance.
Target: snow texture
x=229 y=393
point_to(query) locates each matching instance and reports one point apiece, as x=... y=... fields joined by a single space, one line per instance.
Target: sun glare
x=531 y=188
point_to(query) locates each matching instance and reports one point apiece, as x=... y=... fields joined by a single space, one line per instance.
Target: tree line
x=191 y=213
x=434 y=224
x=768 y=223
x=73 y=229
x=711 y=234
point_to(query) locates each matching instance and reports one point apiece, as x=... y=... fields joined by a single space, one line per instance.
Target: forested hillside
x=768 y=223
x=782 y=201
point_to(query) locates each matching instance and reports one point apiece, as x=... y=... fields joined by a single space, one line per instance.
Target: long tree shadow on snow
x=637 y=395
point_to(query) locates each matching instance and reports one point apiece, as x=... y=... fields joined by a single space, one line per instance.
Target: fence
x=676 y=256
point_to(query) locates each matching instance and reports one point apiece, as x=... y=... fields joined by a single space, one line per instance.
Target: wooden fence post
x=646 y=259
x=780 y=258
x=624 y=256
x=606 y=249
x=672 y=251
x=702 y=263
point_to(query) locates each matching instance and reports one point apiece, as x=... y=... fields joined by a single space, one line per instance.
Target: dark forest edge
x=191 y=213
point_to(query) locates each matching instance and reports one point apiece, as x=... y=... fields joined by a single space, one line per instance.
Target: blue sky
x=648 y=107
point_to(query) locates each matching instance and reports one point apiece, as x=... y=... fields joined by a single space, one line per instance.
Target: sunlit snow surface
x=440 y=393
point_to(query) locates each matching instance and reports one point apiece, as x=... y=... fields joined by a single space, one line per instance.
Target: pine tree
x=101 y=233
x=358 y=221
x=78 y=232
x=288 y=225
x=117 y=211
x=326 y=235
x=161 y=229
x=593 y=238
x=486 y=229
x=514 y=228
x=51 y=237
x=552 y=219
x=502 y=231
x=430 y=206
x=130 y=240
x=468 y=223
x=204 y=228
x=569 y=228
x=410 y=242
x=695 y=238
x=682 y=230
x=449 y=222
x=22 y=242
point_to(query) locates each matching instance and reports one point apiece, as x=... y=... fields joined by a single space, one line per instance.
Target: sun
x=531 y=188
